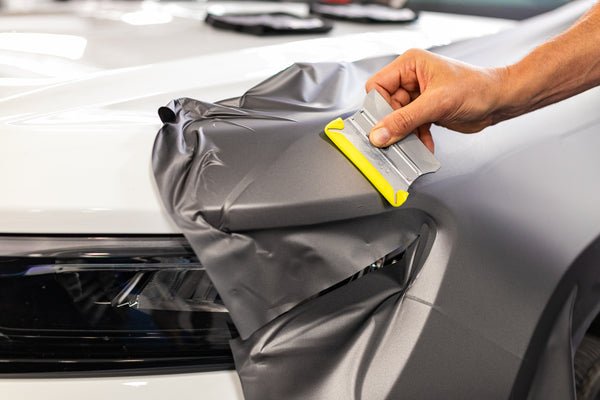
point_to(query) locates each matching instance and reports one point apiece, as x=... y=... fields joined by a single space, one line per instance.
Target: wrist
x=514 y=91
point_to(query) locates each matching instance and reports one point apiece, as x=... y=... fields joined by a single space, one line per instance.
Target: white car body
x=80 y=84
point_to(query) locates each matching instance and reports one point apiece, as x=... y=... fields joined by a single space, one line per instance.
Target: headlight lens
x=106 y=303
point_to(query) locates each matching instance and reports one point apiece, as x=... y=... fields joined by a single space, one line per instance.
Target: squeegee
x=390 y=170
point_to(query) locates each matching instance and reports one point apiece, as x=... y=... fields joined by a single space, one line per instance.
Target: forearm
x=425 y=88
x=562 y=67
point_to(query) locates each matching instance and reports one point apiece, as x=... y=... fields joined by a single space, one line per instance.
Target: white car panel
x=83 y=139
x=205 y=386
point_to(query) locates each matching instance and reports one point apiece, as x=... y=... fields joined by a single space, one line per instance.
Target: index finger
x=386 y=81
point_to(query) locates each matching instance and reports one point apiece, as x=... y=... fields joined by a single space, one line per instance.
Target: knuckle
x=412 y=52
x=402 y=122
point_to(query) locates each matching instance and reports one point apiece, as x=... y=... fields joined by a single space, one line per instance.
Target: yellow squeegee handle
x=361 y=162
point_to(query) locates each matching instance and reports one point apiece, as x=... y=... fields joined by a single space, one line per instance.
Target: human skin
x=425 y=88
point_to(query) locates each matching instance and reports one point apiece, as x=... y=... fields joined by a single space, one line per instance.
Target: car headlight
x=79 y=304
x=72 y=303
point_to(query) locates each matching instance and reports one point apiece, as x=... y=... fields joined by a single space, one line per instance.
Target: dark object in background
x=365 y=13
x=276 y=23
x=489 y=8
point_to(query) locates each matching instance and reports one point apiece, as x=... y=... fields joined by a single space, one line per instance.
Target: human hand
x=425 y=88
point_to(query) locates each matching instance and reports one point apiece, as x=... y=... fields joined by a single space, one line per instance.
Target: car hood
x=81 y=84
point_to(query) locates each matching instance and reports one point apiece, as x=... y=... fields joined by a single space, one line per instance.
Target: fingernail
x=379 y=136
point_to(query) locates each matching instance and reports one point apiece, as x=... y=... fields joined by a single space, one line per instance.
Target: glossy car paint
x=206 y=386
x=81 y=85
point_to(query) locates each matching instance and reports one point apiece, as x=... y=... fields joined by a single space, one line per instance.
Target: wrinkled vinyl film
x=275 y=214
x=341 y=345
x=272 y=211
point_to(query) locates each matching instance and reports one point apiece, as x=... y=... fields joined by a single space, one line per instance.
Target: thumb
x=400 y=123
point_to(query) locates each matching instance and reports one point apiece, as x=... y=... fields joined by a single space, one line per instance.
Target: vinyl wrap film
x=208 y=156
x=268 y=204
x=277 y=215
